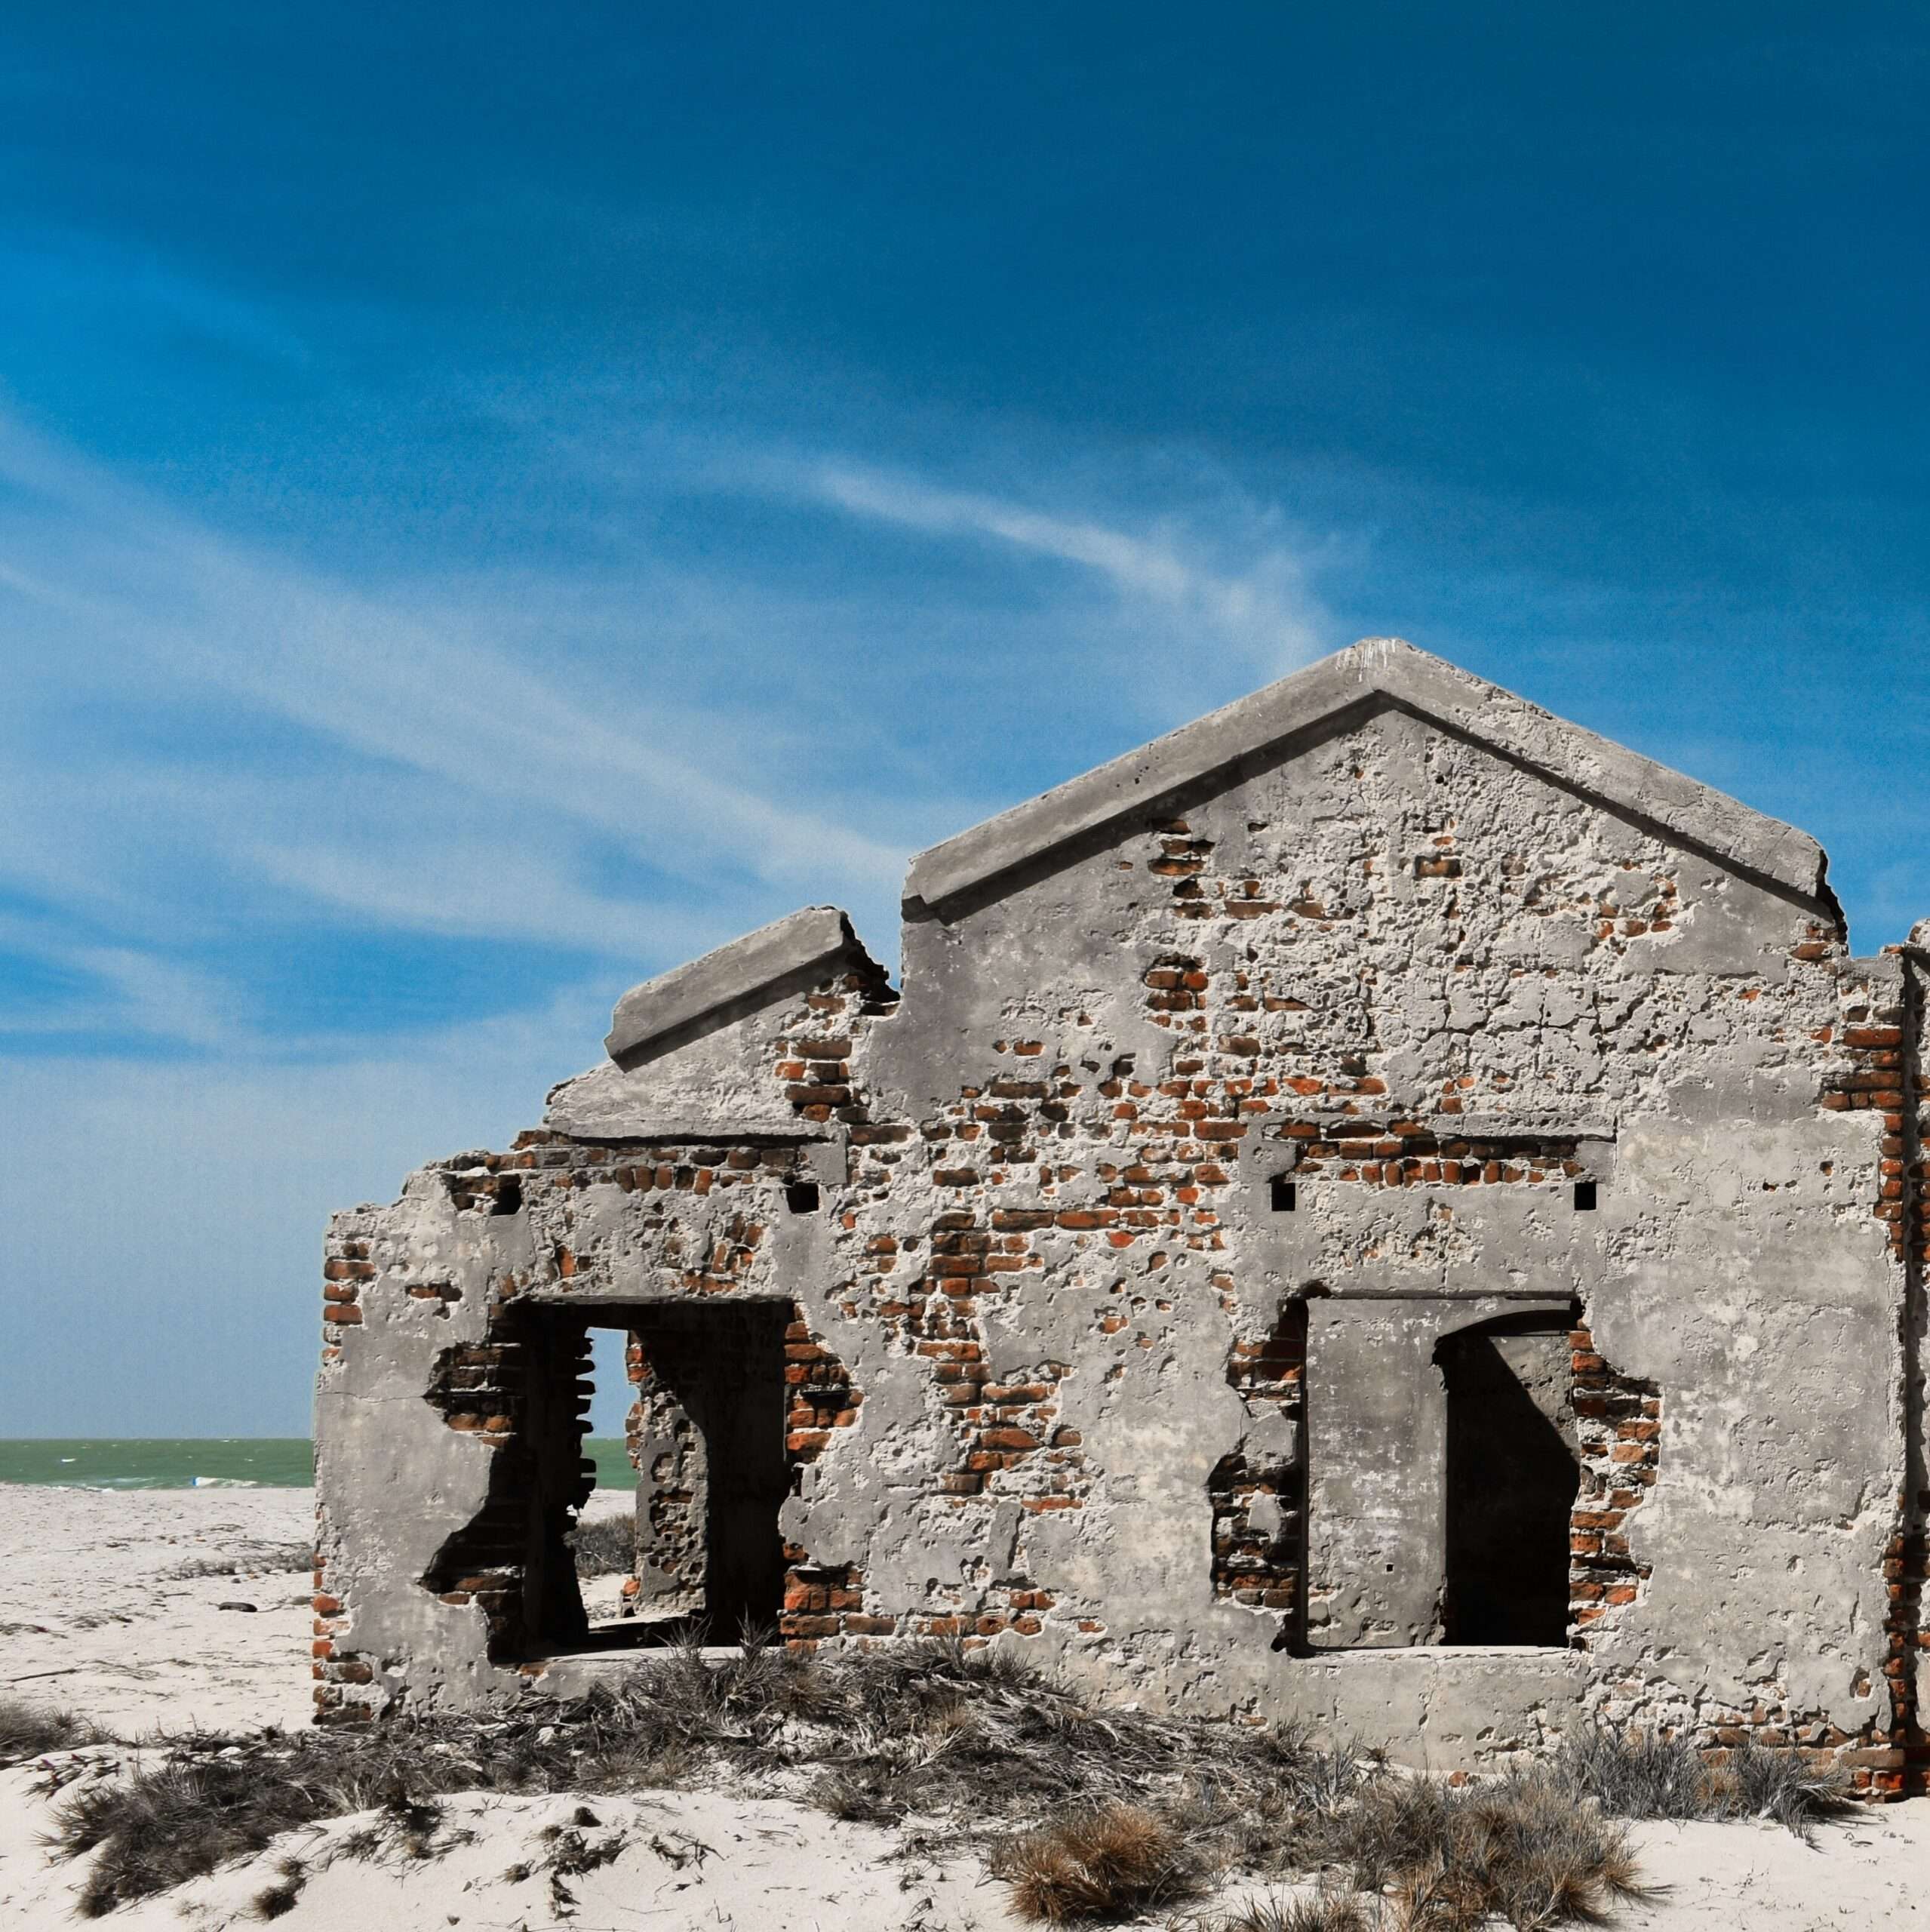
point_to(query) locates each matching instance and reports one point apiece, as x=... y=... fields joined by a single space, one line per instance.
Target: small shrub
x=605 y=1546
x=1108 y=1864
x=29 y=1730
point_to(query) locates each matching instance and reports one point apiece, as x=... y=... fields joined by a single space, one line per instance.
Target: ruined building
x=1381 y=1206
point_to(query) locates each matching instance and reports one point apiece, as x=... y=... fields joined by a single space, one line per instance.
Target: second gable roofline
x=686 y=996
x=1387 y=671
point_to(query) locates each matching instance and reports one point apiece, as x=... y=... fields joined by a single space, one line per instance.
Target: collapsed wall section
x=451 y=1408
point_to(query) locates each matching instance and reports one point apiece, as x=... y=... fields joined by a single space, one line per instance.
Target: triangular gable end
x=1375 y=673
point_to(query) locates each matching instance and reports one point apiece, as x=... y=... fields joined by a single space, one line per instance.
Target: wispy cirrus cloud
x=372 y=674
x=1261 y=606
x=205 y=738
x=208 y=737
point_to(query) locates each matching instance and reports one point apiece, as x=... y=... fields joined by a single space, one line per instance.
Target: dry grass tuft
x=272 y=1901
x=1521 y=1849
x=172 y=1823
x=1441 y=1858
x=28 y=1730
x=254 y=1559
x=1327 y=1912
x=867 y=1795
x=1112 y=1862
x=573 y=1852
x=1633 y=1774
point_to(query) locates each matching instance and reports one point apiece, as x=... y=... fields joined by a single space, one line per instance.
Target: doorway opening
x=705 y=1436
x=1512 y=1472
x=604 y=1542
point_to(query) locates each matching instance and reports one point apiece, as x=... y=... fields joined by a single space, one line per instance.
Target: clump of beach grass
x=1637 y=1774
x=259 y=1559
x=1449 y=1857
x=173 y=1821
x=1109 y=1862
x=272 y=1901
x=29 y=1730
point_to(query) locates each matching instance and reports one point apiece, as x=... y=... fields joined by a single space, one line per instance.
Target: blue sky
x=493 y=502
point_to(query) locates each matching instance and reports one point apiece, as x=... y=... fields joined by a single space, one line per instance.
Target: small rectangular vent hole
x=1584 y=1197
x=1285 y=1195
x=801 y=1197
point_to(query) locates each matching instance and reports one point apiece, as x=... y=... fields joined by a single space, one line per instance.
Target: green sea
x=225 y=1462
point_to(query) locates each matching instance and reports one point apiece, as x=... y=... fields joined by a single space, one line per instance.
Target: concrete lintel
x=1537 y=1297
x=1374 y=671
x=1435 y=1126
x=632 y=1294
x=687 y=994
x=1516 y=1126
x=681 y=1130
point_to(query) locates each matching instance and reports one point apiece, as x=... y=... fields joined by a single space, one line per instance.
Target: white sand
x=94 y=1616
x=94 y=1612
x=688 y=1859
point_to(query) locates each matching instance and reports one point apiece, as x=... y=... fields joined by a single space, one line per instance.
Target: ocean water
x=212 y=1462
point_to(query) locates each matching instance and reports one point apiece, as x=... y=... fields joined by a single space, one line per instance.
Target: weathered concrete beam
x=1376 y=671
x=676 y=1001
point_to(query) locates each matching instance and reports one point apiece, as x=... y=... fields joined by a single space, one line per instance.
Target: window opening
x=1285 y=1195
x=801 y=1197
x=1512 y=1473
x=1584 y=1197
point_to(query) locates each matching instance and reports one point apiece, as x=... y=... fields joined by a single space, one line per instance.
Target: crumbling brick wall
x=1052 y=1371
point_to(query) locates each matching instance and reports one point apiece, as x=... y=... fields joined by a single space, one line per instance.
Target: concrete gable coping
x=732 y=976
x=1375 y=672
